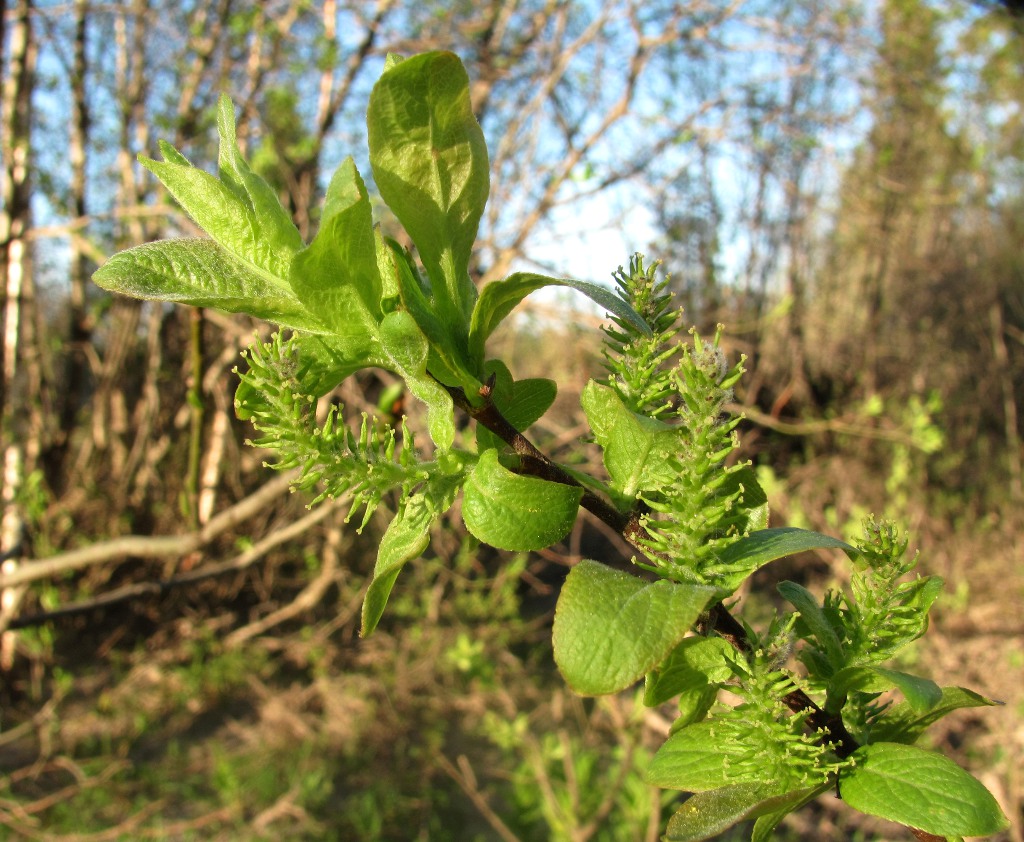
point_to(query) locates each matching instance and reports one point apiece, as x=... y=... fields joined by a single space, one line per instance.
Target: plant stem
x=719 y=620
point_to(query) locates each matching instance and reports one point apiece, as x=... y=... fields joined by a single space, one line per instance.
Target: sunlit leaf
x=920 y=789
x=513 y=512
x=203 y=274
x=612 y=628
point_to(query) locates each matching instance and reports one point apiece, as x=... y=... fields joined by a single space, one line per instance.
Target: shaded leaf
x=408 y=350
x=921 y=694
x=707 y=814
x=406 y=537
x=901 y=723
x=759 y=548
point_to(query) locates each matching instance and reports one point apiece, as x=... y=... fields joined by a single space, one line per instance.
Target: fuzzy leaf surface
x=612 y=628
x=513 y=512
x=920 y=789
x=251 y=234
x=336 y=276
x=638 y=450
x=203 y=274
x=430 y=164
x=275 y=223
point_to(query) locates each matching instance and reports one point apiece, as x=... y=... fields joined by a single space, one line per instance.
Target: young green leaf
x=793 y=801
x=690 y=761
x=408 y=350
x=447 y=347
x=430 y=164
x=901 y=723
x=612 y=628
x=817 y=621
x=921 y=694
x=499 y=298
x=406 y=537
x=638 y=451
x=243 y=230
x=697 y=663
x=521 y=402
x=920 y=789
x=759 y=548
x=513 y=512
x=707 y=814
x=337 y=275
x=276 y=225
x=203 y=274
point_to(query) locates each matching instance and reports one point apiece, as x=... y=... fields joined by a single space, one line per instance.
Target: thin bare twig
x=150 y=546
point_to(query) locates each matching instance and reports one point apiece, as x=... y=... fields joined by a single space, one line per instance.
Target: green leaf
x=513 y=512
x=251 y=234
x=690 y=760
x=817 y=621
x=499 y=298
x=407 y=350
x=337 y=276
x=203 y=274
x=638 y=450
x=447 y=352
x=430 y=164
x=921 y=694
x=700 y=663
x=901 y=723
x=755 y=501
x=759 y=548
x=333 y=358
x=276 y=225
x=920 y=789
x=707 y=814
x=612 y=628
x=792 y=802
x=406 y=537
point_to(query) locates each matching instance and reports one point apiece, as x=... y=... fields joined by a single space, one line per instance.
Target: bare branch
x=150 y=546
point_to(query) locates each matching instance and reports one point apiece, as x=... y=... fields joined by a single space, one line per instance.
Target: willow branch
x=718 y=618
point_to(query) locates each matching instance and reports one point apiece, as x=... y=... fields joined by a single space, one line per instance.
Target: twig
x=149 y=546
x=467 y=783
x=239 y=562
x=718 y=618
